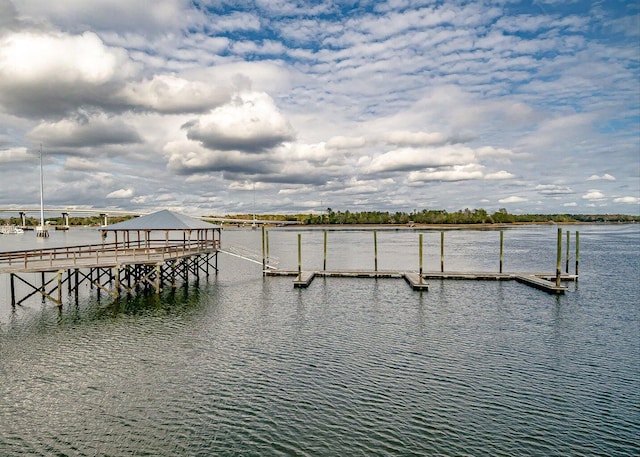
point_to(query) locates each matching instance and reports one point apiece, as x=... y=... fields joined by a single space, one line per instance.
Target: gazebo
x=165 y=229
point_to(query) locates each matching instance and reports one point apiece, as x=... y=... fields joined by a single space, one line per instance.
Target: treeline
x=466 y=216
x=88 y=221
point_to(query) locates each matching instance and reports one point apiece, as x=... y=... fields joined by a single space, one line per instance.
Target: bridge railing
x=104 y=253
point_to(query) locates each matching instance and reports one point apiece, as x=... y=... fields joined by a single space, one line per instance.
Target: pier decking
x=113 y=268
x=417 y=281
x=549 y=282
x=153 y=250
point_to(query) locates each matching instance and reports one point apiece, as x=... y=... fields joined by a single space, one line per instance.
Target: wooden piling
x=264 y=260
x=559 y=258
x=420 y=254
x=567 y=253
x=441 y=251
x=324 y=263
x=375 y=250
x=577 y=251
x=76 y=275
x=299 y=257
x=158 y=282
x=59 y=277
x=266 y=241
x=13 y=291
x=501 y=248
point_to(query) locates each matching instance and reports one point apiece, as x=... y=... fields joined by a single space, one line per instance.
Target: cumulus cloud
x=120 y=193
x=81 y=164
x=19 y=154
x=627 y=199
x=85 y=131
x=250 y=122
x=498 y=175
x=594 y=195
x=605 y=177
x=552 y=189
x=453 y=173
x=150 y=16
x=52 y=74
x=346 y=142
x=190 y=157
x=404 y=138
x=171 y=94
x=383 y=100
x=512 y=199
x=407 y=159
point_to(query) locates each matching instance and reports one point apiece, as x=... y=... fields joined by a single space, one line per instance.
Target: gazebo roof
x=162 y=220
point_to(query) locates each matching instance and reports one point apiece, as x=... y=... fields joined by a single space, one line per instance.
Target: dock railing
x=103 y=254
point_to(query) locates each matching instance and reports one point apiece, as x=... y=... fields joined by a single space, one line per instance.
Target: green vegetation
x=438 y=217
x=466 y=216
x=89 y=221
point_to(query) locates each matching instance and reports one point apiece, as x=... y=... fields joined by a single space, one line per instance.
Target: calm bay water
x=244 y=365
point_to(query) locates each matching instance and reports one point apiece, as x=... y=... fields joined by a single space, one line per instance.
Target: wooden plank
x=541 y=284
x=415 y=281
x=468 y=275
x=304 y=279
x=359 y=274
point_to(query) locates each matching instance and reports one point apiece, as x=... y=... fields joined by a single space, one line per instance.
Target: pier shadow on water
x=45 y=317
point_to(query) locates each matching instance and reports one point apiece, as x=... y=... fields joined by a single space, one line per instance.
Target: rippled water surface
x=239 y=364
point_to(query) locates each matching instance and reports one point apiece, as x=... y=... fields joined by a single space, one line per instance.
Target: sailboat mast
x=41 y=230
x=41 y=191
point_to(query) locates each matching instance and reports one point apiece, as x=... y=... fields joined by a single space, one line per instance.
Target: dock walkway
x=542 y=281
x=110 y=267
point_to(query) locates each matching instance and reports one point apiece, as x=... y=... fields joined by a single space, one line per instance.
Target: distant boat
x=11 y=230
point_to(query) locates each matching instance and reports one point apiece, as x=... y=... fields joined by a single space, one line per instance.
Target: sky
x=216 y=107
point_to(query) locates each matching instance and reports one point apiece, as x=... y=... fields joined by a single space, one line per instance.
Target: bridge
x=106 y=212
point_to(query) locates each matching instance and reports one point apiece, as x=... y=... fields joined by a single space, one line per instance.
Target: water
x=244 y=365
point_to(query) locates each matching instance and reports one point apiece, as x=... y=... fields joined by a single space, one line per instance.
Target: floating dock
x=548 y=282
x=417 y=281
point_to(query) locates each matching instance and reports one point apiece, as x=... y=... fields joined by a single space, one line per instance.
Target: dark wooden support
x=442 y=251
x=13 y=290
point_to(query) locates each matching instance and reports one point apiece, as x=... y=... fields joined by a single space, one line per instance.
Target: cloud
x=407 y=159
x=627 y=199
x=605 y=177
x=498 y=175
x=85 y=131
x=512 y=199
x=453 y=173
x=81 y=164
x=150 y=16
x=552 y=189
x=594 y=195
x=451 y=105
x=251 y=122
x=14 y=155
x=171 y=94
x=564 y=128
x=53 y=74
x=414 y=139
x=120 y=193
x=345 y=142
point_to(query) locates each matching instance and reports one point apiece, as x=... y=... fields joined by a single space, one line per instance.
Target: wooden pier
x=111 y=268
x=154 y=250
x=548 y=282
x=417 y=281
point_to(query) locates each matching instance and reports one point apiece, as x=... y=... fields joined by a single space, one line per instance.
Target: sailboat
x=41 y=230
